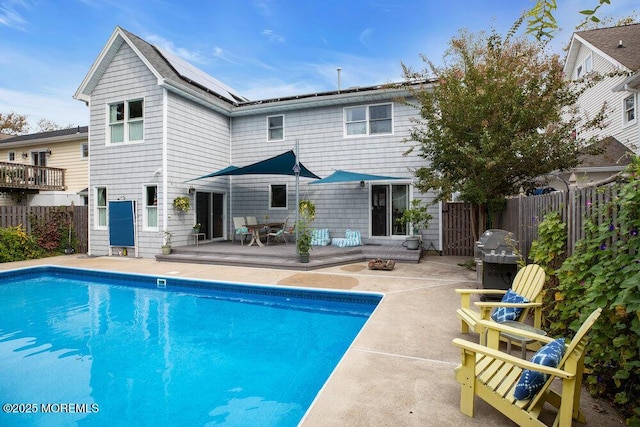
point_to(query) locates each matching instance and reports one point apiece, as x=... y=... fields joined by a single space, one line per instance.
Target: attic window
x=585 y=67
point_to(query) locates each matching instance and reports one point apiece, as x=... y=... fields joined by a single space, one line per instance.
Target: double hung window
x=275 y=126
x=151 y=207
x=629 y=110
x=126 y=121
x=101 y=207
x=368 y=120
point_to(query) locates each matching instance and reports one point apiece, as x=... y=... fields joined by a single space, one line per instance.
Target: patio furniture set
x=250 y=227
x=515 y=386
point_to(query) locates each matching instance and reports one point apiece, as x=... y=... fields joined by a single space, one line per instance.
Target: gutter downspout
x=165 y=179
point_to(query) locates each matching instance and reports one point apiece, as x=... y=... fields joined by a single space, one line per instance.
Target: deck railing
x=30 y=177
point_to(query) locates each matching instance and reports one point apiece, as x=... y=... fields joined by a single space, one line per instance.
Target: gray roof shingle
x=608 y=41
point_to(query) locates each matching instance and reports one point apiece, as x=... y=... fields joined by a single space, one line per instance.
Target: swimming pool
x=91 y=347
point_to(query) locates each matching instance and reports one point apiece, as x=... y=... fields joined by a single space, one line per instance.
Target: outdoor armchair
x=527 y=284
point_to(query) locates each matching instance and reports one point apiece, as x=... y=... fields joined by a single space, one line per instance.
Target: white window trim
x=582 y=69
x=145 y=216
x=367 y=121
x=286 y=189
x=626 y=122
x=9 y=156
x=275 y=115
x=126 y=121
x=82 y=156
x=589 y=69
x=96 y=209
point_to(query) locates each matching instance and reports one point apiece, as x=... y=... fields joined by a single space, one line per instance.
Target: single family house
x=45 y=168
x=157 y=123
x=613 y=53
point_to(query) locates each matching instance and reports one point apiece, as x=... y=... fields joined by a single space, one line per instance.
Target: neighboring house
x=45 y=169
x=614 y=52
x=157 y=122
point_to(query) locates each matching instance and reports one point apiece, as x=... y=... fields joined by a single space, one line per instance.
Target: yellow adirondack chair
x=528 y=283
x=492 y=375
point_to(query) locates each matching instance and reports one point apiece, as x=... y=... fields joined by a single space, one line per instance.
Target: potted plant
x=196 y=227
x=166 y=247
x=307 y=213
x=416 y=218
x=182 y=203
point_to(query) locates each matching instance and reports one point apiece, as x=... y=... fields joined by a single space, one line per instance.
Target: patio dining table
x=255 y=231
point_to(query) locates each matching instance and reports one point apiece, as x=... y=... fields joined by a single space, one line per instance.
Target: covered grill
x=496 y=261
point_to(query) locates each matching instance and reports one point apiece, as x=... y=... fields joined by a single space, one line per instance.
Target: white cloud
x=365 y=36
x=10 y=17
x=184 y=53
x=57 y=106
x=271 y=36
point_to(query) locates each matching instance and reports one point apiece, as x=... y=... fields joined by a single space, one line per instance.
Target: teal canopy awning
x=214 y=174
x=282 y=164
x=346 y=176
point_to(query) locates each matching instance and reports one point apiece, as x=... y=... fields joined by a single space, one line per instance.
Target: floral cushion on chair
x=503 y=314
x=531 y=382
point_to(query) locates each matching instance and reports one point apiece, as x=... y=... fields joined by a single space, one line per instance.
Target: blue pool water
x=82 y=347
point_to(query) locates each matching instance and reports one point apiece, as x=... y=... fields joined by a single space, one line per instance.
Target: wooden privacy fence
x=12 y=216
x=576 y=207
x=524 y=214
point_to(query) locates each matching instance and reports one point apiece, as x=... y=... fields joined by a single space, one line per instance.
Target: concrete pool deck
x=399 y=370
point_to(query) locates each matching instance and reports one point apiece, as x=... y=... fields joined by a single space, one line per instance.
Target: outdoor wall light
x=24 y=155
x=361 y=184
x=48 y=151
x=192 y=190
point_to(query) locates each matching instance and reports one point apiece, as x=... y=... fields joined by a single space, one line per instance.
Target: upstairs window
x=12 y=156
x=585 y=67
x=275 y=125
x=629 y=110
x=84 y=151
x=126 y=121
x=368 y=120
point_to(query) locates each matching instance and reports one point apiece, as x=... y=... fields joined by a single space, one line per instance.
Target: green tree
x=13 y=123
x=542 y=23
x=498 y=114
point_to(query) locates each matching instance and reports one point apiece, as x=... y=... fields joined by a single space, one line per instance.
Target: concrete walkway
x=399 y=370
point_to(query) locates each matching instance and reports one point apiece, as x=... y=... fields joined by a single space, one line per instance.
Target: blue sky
x=261 y=48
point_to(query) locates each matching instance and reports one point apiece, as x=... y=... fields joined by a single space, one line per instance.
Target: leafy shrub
x=53 y=233
x=17 y=245
x=549 y=251
x=603 y=271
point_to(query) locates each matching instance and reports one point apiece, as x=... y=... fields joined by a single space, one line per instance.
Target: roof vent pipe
x=620 y=44
x=339 y=70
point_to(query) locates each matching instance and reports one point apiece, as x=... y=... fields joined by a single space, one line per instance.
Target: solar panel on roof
x=198 y=76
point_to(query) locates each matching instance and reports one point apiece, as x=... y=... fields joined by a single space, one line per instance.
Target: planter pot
x=196 y=230
x=304 y=258
x=412 y=243
x=166 y=250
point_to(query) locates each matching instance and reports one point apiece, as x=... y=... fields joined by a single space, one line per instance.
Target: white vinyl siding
x=368 y=120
